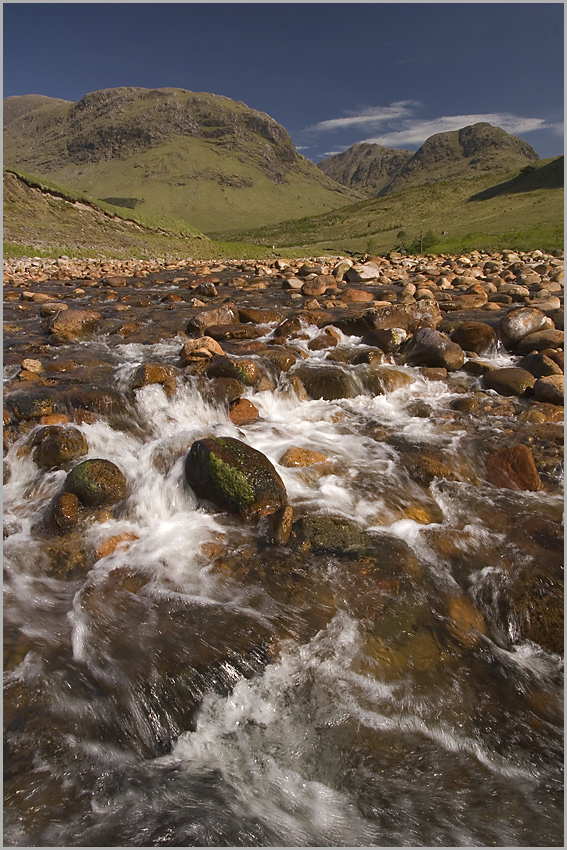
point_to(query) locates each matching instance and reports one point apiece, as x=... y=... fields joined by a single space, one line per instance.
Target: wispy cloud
x=371 y=116
x=415 y=132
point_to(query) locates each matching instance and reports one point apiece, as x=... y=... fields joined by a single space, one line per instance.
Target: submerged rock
x=336 y=535
x=514 y=468
x=234 y=476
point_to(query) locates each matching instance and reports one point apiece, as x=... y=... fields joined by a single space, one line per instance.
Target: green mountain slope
x=201 y=158
x=455 y=155
x=523 y=210
x=44 y=219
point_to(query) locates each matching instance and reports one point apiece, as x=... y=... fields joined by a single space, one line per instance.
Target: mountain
x=198 y=157
x=49 y=220
x=365 y=167
x=457 y=154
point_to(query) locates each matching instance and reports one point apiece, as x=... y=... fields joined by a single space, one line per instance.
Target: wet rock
x=335 y=535
x=63 y=513
x=243 y=412
x=73 y=325
x=539 y=341
x=539 y=365
x=280 y=526
x=549 y=389
x=509 y=381
x=387 y=339
x=520 y=322
x=155 y=373
x=327 y=339
x=428 y=347
x=57 y=446
x=289 y=328
x=207 y=289
x=315 y=287
x=223 y=315
x=259 y=317
x=96 y=482
x=464 y=621
x=25 y=406
x=245 y=371
x=410 y=317
x=234 y=476
x=325 y=382
x=513 y=468
x=224 y=389
x=198 y=349
x=296 y=456
x=109 y=545
x=68 y=557
x=426 y=467
x=362 y=271
x=232 y=331
x=380 y=380
x=477 y=337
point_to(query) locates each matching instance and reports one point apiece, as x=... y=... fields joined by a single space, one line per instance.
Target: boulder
x=236 y=330
x=59 y=445
x=72 y=325
x=243 y=412
x=428 y=347
x=362 y=271
x=225 y=314
x=197 y=349
x=327 y=382
x=540 y=340
x=296 y=456
x=245 y=371
x=386 y=339
x=540 y=365
x=513 y=468
x=520 y=322
x=357 y=295
x=509 y=381
x=234 y=476
x=96 y=482
x=155 y=373
x=549 y=389
x=477 y=337
x=259 y=317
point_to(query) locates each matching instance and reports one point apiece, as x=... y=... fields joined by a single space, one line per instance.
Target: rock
x=197 y=349
x=296 y=456
x=234 y=476
x=362 y=271
x=425 y=468
x=410 y=317
x=387 y=339
x=540 y=365
x=336 y=535
x=428 y=347
x=281 y=359
x=72 y=325
x=513 y=468
x=327 y=339
x=549 y=389
x=243 y=411
x=232 y=331
x=520 y=322
x=259 y=317
x=58 y=446
x=464 y=621
x=509 y=381
x=280 y=526
x=30 y=365
x=63 y=513
x=381 y=380
x=96 y=482
x=357 y=295
x=110 y=544
x=155 y=373
x=317 y=286
x=224 y=390
x=327 y=382
x=288 y=328
x=224 y=315
x=477 y=337
x=245 y=371
x=539 y=341
x=206 y=290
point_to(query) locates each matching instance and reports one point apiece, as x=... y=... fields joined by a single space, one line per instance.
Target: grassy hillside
x=201 y=158
x=45 y=219
x=524 y=210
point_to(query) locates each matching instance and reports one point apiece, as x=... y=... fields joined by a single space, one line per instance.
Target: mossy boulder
x=234 y=476
x=335 y=535
x=96 y=482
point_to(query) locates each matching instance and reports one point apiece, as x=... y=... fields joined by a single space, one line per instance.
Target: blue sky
x=333 y=74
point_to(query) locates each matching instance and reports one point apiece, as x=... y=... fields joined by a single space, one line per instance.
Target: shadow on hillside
x=531 y=177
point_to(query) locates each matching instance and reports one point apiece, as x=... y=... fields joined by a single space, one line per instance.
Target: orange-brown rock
x=513 y=468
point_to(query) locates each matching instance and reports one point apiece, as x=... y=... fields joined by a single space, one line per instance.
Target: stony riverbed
x=283 y=551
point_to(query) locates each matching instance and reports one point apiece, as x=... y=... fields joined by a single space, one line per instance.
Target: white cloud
x=416 y=132
x=372 y=115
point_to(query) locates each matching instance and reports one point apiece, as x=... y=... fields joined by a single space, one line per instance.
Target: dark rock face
x=476 y=336
x=234 y=476
x=96 y=482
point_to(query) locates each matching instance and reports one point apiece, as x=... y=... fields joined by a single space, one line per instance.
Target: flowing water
x=200 y=687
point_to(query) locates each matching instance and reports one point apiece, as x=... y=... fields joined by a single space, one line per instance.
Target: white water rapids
x=345 y=738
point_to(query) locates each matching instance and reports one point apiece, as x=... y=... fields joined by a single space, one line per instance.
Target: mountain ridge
x=454 y=154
